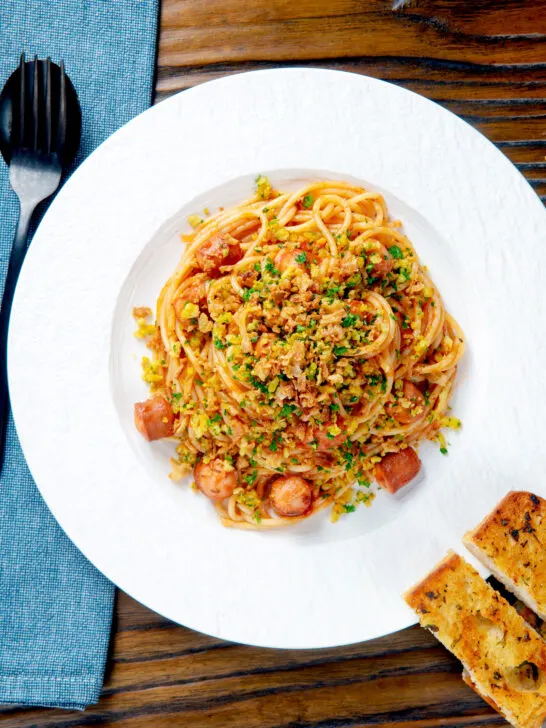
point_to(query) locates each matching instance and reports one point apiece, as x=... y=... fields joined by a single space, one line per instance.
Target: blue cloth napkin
x=55 y=607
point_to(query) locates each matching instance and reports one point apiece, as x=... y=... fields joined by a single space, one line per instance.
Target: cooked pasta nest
x=300 y=335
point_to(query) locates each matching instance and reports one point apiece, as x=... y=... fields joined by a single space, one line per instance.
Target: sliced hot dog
x=397 y=469
x=154 y=418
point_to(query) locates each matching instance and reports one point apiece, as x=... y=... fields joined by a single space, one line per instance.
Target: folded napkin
x=55 y=607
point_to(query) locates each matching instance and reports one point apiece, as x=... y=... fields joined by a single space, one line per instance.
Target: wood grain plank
x=300 y=699
x=233 y=674
x=481 y=20
x=131 y=615
x=213 y=32
x=175 y=640
x=226 y=660
x=510 y=130
x=188 y=13
x=168 y=639
x=496 y=109
x=472 y=721
x=333 y=38
x=429 y=72
x=527 y=153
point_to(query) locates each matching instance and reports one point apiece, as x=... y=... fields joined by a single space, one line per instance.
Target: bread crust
x=471 y=684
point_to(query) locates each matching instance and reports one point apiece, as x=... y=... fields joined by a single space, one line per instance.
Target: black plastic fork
x=40 y=120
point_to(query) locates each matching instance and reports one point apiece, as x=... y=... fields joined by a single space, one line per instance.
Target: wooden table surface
x=485 y=60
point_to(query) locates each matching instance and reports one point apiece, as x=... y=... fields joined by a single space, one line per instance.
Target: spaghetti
x=301 y=351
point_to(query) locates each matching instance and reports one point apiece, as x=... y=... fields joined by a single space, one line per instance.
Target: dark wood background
x=485 y=60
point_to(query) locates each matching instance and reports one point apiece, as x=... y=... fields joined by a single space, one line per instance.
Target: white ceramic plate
x=110 y=240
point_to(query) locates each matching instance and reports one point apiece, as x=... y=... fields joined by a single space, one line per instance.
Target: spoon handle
x=16 y=259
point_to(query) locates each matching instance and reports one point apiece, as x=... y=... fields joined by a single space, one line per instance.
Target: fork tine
x=35 y=91
x=61 y=124
x=48 y=105
x=22 y=90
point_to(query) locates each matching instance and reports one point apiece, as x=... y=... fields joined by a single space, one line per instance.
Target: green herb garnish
x=287 y=410
x=350 y=320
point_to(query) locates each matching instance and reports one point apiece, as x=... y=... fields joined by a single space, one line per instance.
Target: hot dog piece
x=286 y=259
x=290 y=495
x=410 y=405
x=221 y=249
x=214 y=480
x=154 y=418
x=323 y=441
x=397 y=469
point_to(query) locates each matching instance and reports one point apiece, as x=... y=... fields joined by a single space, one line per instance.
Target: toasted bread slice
x=511 y=543
x=505 y=659
x=471 y=684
